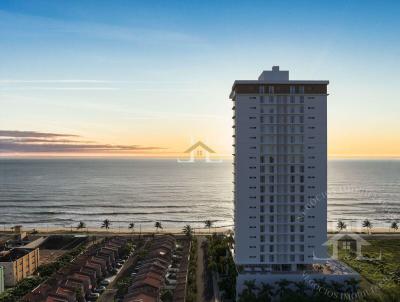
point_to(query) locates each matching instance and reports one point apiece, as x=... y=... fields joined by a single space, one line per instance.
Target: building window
x=271 y=89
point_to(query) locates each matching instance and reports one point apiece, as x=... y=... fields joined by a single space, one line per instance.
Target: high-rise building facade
x=280 y=172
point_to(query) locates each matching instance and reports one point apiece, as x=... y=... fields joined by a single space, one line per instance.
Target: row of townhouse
x=150 y=278
x=78 y=280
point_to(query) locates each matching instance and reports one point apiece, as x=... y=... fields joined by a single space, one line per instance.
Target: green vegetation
x=167 y=295
x=220 y=262
x=47 y=270
x=81 y=225
x=382 y=276
x=187 y=230
x=123 y=285
x=287 y=291
x=44 y=272
x=394 y=226
x=368 y=225
x=191 y=288
x=21 y=289
x=341 y=226
x=106 y=224
x=208 y=224
x=158 y=226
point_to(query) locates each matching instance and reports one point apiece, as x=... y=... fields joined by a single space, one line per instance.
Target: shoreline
x=148 y=231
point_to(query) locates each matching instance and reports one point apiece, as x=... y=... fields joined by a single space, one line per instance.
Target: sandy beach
x=196 y=231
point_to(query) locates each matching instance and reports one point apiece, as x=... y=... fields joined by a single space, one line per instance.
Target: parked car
x=100 y=289
x=173 y=270
x=105 y=282
x=93 y=296
x=170 y=278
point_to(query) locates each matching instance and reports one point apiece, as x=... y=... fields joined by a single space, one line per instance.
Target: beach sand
x=196 y=231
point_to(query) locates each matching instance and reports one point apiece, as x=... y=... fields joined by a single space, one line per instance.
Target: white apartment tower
x=280 y=173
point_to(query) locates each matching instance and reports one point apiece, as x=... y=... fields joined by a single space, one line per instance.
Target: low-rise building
x=18 y=263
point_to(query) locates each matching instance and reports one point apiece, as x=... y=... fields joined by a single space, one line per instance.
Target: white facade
x=280 y=167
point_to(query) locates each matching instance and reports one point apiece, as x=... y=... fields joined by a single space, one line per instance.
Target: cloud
x=17 y=133
x=58 y=88
x=57 y=81
x=17 y=23
x=12 y=141
x=17 y=147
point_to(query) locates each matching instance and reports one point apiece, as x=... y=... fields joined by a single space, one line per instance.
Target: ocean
x=62 y=192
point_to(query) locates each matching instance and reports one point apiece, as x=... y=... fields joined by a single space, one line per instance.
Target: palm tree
x=394 y=226
x=158 y=226
x=106 y=224
x=352 y=284
x=301 y=287
x=248 y=294
x=341 y=225
x=187 y=230
x=132 y=228
x=208 y=224
x=266 y=292
x=81 y=225
x=367 y=224
x=283 y=287
x=230 y=241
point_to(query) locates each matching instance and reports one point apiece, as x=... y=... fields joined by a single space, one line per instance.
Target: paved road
x=200 y=270
x=111 y=291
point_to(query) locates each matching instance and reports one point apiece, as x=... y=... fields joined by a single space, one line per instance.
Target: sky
x=149 y=78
